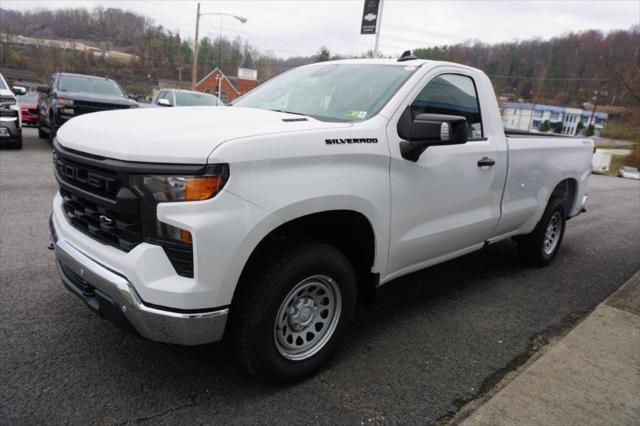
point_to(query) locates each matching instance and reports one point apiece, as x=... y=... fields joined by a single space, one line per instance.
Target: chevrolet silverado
x=265 y=221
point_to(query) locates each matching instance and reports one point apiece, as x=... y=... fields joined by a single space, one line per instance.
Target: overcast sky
x=300 y=27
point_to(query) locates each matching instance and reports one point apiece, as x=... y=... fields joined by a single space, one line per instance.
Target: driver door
x=444 y=204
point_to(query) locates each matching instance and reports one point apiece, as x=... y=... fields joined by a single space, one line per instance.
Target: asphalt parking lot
x=436 y=339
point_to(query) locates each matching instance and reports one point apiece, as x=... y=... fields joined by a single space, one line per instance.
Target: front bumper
x=112 y=296
x=10 y=130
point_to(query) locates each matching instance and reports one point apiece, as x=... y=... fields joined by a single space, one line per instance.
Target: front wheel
x=52 y=133
x=543 y=243
x=18 y=143
x=291 y=317
x=41 y=133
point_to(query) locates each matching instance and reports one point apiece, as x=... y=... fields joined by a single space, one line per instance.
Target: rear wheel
x=292 y=315
x=543 y=243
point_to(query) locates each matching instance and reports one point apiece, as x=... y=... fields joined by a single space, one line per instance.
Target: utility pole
x=593 y=111
x=194 y=69
x=378 y=29
x=591 y=122
x=220 y=45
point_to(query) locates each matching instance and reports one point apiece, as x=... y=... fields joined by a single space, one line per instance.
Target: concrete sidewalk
x=590 y=377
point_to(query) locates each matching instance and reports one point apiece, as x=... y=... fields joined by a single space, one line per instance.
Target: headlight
x=9 y=112
x=181 y=188
x=63 y=101
x=156 y=189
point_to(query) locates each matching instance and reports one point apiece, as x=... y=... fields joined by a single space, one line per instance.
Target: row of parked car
x=68 y=95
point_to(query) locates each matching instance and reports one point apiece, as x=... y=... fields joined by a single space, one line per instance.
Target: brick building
x=230 y=87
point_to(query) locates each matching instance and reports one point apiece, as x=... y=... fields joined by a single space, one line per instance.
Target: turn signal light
x=185 y=236
x=202 y=188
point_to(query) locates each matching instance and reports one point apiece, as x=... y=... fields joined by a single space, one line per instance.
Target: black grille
x=97 y=200
x=82 y=107
x=181 y=257
x=96 y=180
x=105 y=225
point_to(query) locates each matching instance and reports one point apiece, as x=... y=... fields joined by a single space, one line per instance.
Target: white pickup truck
x=266 y=221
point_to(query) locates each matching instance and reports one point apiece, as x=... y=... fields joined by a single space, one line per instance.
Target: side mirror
x=164 y=102
x=43 y=89
x=19 y=90
x=429 y=130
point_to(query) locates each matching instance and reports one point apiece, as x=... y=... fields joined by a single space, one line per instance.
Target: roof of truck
x=378 y=61
x=392 y=61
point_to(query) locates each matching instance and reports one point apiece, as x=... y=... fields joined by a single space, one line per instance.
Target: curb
x=589 y=375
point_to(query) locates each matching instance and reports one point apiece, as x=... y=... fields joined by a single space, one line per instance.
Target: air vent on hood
x=287 y=120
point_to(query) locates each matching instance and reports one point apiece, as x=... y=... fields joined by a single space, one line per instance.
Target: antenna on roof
x=406 y=56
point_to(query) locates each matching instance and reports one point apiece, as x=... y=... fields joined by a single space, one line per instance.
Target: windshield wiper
x=290 y=112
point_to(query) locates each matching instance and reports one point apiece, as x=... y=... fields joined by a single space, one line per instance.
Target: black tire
x=52 y=133
x=534 y=248
x=42 y=134
x=254 y=314
x=18 y=143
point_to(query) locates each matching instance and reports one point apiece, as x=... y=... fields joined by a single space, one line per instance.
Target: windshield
x=77 y=83
x=2 y=85
x=331 y=92
x=196 y=99
x=28 y=99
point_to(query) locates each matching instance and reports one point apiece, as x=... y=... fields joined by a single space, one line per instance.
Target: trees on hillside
x=565 y=70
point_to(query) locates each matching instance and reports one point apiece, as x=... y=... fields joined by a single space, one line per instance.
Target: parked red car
x=29 y=109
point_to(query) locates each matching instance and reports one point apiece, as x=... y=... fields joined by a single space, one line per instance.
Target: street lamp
x=194 y=71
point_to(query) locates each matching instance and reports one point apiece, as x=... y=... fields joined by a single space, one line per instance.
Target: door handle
x=486 y=162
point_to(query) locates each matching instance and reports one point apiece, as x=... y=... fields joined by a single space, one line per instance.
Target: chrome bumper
x=113 y=296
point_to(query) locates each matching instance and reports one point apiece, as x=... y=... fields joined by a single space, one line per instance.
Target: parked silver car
x=177 y=97
x=629 y=173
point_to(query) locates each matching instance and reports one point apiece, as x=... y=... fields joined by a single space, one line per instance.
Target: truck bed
x=536 y=164
x=525 y=134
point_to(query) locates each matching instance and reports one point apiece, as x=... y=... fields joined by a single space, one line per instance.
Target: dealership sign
x=370 y=17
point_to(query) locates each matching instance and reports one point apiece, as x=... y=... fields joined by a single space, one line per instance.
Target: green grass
x=605 y=146
x=618 y=130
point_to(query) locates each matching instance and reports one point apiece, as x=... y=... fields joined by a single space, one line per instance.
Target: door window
x=166 y=94
x=451 y=94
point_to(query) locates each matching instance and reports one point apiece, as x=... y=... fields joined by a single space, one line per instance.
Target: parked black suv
x=69 y=95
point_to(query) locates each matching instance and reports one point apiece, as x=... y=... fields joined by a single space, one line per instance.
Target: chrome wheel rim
x=307 y=317
x=552 y=234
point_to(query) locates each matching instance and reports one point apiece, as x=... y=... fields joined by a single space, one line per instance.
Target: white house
x=530 y=117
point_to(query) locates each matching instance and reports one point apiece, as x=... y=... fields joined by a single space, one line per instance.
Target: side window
x=451 y=94
x=166 y=94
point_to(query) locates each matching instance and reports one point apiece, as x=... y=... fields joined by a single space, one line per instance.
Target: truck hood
x=175 y=135
x=92 y=97
x=6 y=93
